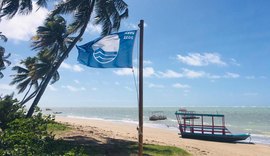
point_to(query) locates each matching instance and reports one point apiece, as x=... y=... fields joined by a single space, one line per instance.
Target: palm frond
x=80 y=16
x=23 y=85
x=9 y=8
x=3 y=37
x=109 y=14
x=20 y=69
x=68 y=6
x=50 y=34
x=55 y=77
x=42 y=3
x=26 y=7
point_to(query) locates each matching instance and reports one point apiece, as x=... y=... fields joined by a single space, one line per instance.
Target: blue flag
x=112 y=51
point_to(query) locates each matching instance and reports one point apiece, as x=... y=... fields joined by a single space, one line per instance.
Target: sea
x=253 y=120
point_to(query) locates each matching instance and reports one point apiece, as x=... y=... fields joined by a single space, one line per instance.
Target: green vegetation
x=158 y=150
x=3 y=59
x=55 y=127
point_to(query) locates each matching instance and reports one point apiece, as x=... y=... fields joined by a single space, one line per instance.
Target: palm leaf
x=55 y=77
x=3 y=37
x=25 y=7
x=9 y=8
x=23 y=85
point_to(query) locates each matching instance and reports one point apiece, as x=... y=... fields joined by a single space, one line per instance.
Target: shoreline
x=259 y=138
x=162 y=136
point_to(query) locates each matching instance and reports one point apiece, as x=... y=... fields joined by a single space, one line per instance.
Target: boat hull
x=216 y=137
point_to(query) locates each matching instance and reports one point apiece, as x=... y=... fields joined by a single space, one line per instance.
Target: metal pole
x=140 y=129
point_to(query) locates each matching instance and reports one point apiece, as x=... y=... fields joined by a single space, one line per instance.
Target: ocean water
x=253 y=120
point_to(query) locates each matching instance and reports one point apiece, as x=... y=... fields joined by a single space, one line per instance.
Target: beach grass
x=56 y=127
x=158 y=150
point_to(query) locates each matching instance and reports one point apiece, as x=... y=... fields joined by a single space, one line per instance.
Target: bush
x=29 y=136
x=26 y=136
x=9 y=111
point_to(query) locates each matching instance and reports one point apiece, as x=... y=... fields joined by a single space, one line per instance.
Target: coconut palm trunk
x=57 y=65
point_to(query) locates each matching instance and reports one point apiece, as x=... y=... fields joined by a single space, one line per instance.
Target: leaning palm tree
x=3 y=59
x=33 y=73
x=25 y=75
x=108 y=14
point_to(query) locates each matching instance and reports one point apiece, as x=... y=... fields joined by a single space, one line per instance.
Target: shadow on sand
x=112 y=147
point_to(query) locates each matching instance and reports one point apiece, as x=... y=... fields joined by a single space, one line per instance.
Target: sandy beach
x=102 y=131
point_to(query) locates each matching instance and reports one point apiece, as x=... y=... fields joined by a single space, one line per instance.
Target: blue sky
x=197 y=53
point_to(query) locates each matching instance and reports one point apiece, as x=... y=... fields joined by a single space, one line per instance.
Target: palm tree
x=33 y=74
x=9 y=8
x=108 y=14
x=3 y=59
x=26 y=75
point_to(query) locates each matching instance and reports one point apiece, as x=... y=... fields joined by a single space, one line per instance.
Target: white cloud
x=133 y=26
x=234 y=62
x=123 y=72
x=250 y=77
x=197 y=59
x=179 y=85
x=75 y=68
x=151 y=85
x=170 y=74
x=147 y=62
x=193 y=74
x=23 y=27
x=147 y=72
x=231 y=75
x=74 y=89
x=52 y=88
x=77 y=81
x=93 y=29
x=7 y=87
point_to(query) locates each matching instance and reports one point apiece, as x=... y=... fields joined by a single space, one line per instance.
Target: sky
x=196 y=53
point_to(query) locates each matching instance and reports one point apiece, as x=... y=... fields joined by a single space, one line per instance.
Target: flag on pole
x=112 y=51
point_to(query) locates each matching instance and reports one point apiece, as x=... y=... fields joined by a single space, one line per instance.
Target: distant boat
x=157 y=115
x=57 y=112
x=192 y=128
x=48 y=109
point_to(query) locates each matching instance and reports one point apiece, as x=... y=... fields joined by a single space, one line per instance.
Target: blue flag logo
x=112 y=51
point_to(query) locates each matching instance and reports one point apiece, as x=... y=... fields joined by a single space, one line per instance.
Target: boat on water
x=157 y=115
x=193 y=125
x=57 y=112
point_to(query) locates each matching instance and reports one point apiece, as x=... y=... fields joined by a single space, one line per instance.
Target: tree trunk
x=54 y=69
x=27 y=93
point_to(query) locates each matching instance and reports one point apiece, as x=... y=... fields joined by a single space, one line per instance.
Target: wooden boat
x=193 y=125
x=157 y=115
x=57 y=112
